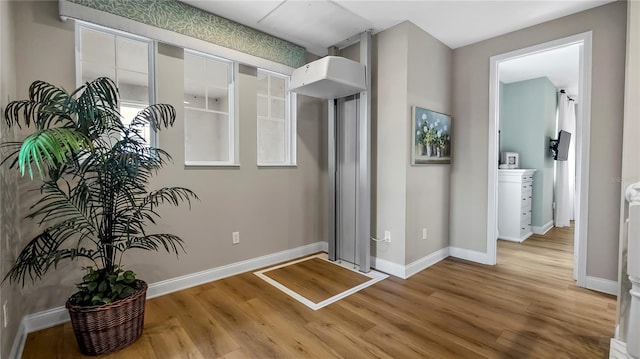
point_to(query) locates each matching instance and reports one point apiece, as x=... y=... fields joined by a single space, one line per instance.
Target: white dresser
x=514 y=204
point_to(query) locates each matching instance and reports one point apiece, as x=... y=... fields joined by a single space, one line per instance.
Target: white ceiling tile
x=317 y=24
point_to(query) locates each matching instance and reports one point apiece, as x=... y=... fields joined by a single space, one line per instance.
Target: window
x=127 y=59
x=276 y=120
x=209 y=110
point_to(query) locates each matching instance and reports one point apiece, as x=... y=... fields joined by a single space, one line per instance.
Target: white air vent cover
x=329 y=77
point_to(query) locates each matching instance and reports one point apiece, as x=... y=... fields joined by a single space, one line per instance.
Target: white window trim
x=233 y=160
x=290 y=121
x=153 y=134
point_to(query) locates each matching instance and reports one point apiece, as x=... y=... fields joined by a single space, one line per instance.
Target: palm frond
x=96 y=172
x=53 y=145
x=158 y=116
x=169 y=242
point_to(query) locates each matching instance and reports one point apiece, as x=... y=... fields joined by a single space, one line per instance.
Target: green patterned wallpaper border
x=190 y=21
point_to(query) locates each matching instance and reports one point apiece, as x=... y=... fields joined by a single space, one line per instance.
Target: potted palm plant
x=95 y=204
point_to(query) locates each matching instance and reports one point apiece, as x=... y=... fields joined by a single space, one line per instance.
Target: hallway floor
x=525 y=307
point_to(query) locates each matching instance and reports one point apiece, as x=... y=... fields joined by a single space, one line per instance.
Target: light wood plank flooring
x=525 y=307
x=317 y=279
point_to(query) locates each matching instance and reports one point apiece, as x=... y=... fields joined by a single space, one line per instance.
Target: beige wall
x=9 y=232
x=429 y=74
x=630 y=151
x=389 y=136
x=274 y=209
x=410 y=68
x=471 y=110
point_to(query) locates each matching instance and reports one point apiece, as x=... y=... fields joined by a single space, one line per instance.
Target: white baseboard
x=404 y=272
x=602 y=285
x=425 y=262
x=52 y=317
x=543 y=229
x=45 y=319
x=469 y=255
x=618 y=350
x=209 y=275
x=383 y=265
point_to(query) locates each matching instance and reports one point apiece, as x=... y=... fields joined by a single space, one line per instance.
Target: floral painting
x=431 y=137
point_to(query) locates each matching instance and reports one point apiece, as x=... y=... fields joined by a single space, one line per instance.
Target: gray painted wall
x=412 y=68
x=429 y=73
x=274 y=209
x=468 y=224
x=390 y=114
x=9 y=198
x=527 y=121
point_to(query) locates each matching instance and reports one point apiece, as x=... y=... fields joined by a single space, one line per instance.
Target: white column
x=633 y=269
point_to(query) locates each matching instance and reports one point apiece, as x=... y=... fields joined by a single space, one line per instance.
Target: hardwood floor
x=317 y=279
x=525 y=307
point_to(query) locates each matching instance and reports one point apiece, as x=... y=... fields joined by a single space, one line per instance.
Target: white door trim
x=583 y=130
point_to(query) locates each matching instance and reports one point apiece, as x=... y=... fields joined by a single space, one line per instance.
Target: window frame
x=151 y=67
x=233 y=145
x=290 y=120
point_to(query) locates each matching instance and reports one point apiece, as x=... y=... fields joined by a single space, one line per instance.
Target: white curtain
x=566 y=170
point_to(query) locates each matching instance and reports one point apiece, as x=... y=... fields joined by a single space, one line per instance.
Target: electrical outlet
x=236 y=238
x=5 y=320
x=424 y=233
x=387 y=236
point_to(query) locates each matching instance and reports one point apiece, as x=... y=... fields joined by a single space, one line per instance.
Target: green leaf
x=91 y=286
x=96 y=299
x=103 y=286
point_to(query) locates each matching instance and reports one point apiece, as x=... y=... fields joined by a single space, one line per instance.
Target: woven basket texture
x=102 y=329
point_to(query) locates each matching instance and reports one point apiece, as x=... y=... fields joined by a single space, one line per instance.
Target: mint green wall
x=527 y=120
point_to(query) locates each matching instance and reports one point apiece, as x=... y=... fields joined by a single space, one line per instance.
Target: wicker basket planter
x=102 y=329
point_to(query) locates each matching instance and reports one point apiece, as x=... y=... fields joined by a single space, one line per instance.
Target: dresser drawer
x=525 y=201
x=525 y=213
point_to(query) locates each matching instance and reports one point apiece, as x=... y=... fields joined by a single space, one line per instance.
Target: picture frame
x=431 y=137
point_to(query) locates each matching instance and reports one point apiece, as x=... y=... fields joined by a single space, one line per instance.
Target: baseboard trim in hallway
x=602 y=285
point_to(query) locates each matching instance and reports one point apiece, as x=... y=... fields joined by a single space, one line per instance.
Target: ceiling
x=560 y=65
x=318 y=24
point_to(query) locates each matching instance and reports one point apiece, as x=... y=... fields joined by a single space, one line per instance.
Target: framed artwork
x=431 y=137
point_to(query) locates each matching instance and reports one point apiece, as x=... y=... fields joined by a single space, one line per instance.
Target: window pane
x=194 y=94
x=98 y=48
x=263 y=106
x=277 y=87
x=133 y=55
x=278 y=108
x=134 y=86
x=217 y=73
x=128 y=112
x=218 y=99
x=194 y=67
x=125 y=60
x=271 y=141
x=206 y=136
x=207 y=101
x=92 y=70
x=275 y=146
x=263 y=84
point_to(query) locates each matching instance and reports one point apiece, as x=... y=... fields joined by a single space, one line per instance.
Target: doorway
x=346 y=179
x=583 y=119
